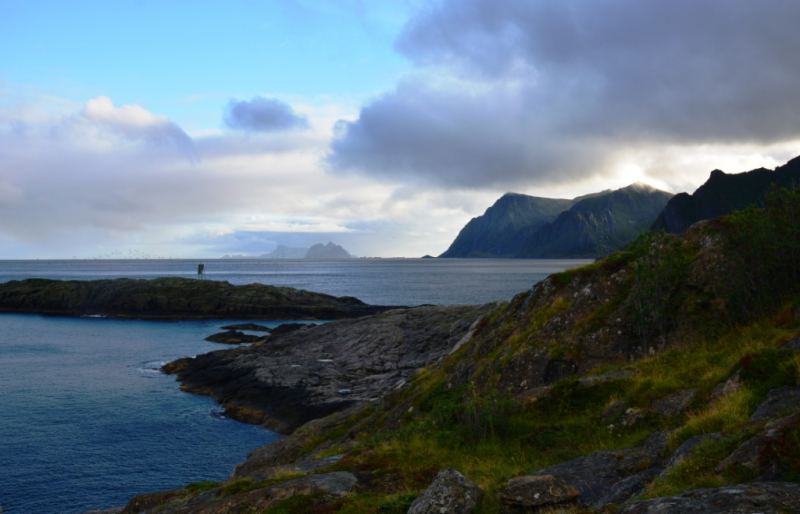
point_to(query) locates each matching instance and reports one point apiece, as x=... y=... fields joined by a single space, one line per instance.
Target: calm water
x=86 y=419
x=375 y=281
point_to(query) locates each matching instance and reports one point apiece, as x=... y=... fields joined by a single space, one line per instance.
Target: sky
x=198 y=129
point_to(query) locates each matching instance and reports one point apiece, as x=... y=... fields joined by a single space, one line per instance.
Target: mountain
x=587 y=226
x=723 y=194
x=285 y=252
x=594 y=226
x=329 y=251
x=492 y=234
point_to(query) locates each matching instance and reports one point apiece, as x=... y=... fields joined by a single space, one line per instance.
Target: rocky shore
x=315 y=371
x=172 y=298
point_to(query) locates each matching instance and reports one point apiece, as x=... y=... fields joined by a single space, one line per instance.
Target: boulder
x=793 y=344
x=685 y=449
x=450 y=493
x=532 y=491
x=725 y=388
x=752 y=455
x=752 y=498
x=779 y=403
x=673 y=404
x=596 y=477
x=614 y=410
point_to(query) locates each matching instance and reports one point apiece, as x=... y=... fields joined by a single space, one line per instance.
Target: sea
x=88 y=420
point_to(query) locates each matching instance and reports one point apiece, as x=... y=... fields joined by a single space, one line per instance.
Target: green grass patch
x=247 y=484
x=199 y=487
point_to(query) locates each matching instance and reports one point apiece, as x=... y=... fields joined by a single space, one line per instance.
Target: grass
x=565 y=424
x=199 y=487
x=247 y=484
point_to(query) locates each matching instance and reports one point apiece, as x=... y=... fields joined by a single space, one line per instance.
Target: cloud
x=263 y=115
x=10 y=195
x=540 y=92
x=138 y=124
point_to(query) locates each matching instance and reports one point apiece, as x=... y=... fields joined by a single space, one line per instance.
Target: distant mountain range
x=588 y=226
x=723 y=194
x=318 y=251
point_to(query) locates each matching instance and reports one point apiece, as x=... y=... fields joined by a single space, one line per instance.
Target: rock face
x=723 y=194
x=315 y=371
x=672 y=405
x=779 y=402
x=174 y=298
x=763 y=498
x=611 y=476
x=450 y=493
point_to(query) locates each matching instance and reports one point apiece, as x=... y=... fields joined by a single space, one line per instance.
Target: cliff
x=174 y=298
x=724 y=194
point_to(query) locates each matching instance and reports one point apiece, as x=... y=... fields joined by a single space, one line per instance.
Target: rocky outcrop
x=610 y=476
x=247 y=326
x=779 y=402
x=174 y=298
x=234 y=337
x=762 y=498
x=450 y=493
x=216 y=501
x=315 y=371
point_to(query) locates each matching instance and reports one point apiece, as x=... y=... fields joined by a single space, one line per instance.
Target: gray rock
x=114 y=510
x=673 y=404
x=685 y=449
x=606 y=377
x=532 y=491
x=751 y=454
x=612 y=411
x=779 y=403
x=296 y=377
x=626 y=488
x=752 y=498
x=725 y=388
x=793 y=344
x=450 y=493
x=594 y=476
x=533 y=395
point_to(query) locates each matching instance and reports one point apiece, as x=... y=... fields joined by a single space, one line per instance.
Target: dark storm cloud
x=540 y=91
x=263 y=115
